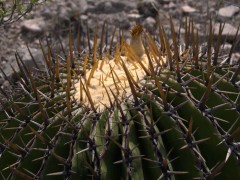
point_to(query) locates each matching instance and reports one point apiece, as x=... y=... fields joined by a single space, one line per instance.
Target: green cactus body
x=163 y=114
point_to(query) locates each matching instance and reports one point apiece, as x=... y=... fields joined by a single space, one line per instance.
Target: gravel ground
x=51 y=20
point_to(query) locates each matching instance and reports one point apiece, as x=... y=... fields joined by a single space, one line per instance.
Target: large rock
x=229 y=31
x=188 y=9
x=27 y=59
x=228 y=11
x=34 y=25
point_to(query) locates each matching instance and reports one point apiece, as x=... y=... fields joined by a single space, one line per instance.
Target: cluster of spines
x=136 y=30
x=48 y=126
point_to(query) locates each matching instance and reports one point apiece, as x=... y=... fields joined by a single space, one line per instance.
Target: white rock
x=134 y=16
x=228 y=31
x=228 y=11
x=188 y=9
x=84 y=17
x=34 y=25
x=226 y=47
x=235 y=58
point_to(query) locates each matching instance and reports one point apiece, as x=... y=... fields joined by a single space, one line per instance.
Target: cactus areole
x=148 y=109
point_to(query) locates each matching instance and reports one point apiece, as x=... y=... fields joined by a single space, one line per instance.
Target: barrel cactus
x=149 y=109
